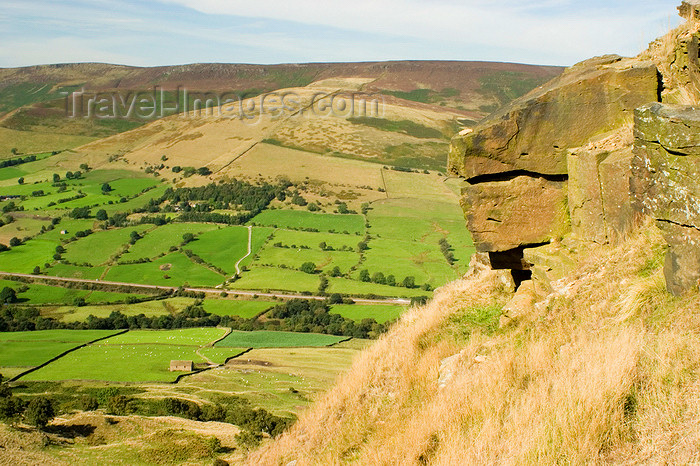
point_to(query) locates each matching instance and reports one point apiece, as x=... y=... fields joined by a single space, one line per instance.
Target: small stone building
x=181 y=366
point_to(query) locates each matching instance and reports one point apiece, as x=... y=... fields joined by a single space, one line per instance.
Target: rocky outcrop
x=534 y=132
x=582 y=157
x=690 y=9
x=666 y=170
x=500 y=213
x=599 y=200
x=525 y=186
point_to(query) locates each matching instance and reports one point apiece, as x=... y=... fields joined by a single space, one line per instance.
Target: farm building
x=181 y=366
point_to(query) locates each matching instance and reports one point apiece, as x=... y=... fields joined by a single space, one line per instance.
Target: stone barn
x=181 y=366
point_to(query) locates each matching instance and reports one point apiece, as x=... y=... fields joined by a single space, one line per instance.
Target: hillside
x=32 y=108
x=573 y=337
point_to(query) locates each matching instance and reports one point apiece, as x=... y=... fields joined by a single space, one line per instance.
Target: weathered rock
x=599 y=199
x=690 y=9
x=586 y=197
x=534 y=132
x=524 y=210
x=548 y=263
x=666 y=165
x=521 y=304
x=615 y=173
x=682 y=265
x=666 y=169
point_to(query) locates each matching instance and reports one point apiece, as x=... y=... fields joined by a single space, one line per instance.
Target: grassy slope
x=605 y=370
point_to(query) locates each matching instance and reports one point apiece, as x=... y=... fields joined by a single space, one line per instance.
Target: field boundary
x=181 y=376
x=15 y=378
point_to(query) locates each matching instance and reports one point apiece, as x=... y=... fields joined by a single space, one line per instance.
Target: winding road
x=250 y=246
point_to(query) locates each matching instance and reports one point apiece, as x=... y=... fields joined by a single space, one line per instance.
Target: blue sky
x=162 y=32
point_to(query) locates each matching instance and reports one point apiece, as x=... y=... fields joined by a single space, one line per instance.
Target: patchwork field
x=268 y=339
x=135 y=356
x=32 y=348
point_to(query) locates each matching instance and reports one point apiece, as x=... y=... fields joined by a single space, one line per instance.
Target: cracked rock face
x=666 y=171
x=516 y=161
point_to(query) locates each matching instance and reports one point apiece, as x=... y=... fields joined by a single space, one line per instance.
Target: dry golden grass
x=605 y=370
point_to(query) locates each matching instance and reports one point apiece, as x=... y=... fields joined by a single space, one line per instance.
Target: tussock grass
x=605 y=370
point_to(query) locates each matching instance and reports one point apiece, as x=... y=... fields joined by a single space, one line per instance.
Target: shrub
x=39 y=412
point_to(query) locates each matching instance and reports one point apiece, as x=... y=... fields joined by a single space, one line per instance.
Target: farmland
x=267 y=339
x=32 y=348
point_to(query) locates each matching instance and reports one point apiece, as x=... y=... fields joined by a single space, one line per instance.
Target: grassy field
x=21 y=228
x=295 y=257
x=181 y=337
x=99 y=247
x=136 y=356
x=262 y=278
x=223 y=247
x=25 y=257
x=301 y=219
x=45 y=294
x=148 y=308
x=357 y=312
x=32 y=348
x=229 y=307
x=161 y=239
x=268 y=339
x=174 y=269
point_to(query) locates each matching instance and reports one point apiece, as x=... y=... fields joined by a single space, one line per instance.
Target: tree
x=8 y=295
x=391 y=280
x=84 y=167
x=101 y=215
x=203 y=171
x=364 y=275
x=80 y=212
x=79 y=301
x=13 y=151
x=378 y=277
x=15 y=241
x=336 y=272
x=134 y=237
x=308 y=267
x=335 y=298
x=56 y=177
x=39 y=412
x=187 y=238
x=409 y=282
x=20 y=180
x=37 y=270
x=362 y=246
x=322 y=245
x=106 y=188
x=69 y=175
x=343 y=208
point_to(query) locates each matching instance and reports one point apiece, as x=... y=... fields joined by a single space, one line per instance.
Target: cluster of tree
x=446 y=249
x=17 y=161
x=379 y=278
x=80 y=212
x=304 y=315
x=74 y=175
x=189 y=171
x=37 y=412
x=230 y=195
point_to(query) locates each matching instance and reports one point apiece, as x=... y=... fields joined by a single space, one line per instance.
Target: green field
x=182 y=337
x=174 y=269
x=222 y=248
x=136 y=356
x=262 y=278
x=357 y=312
x=354 y=224
x=32 y=348
x=160 y=240
x=229 y=307
x=268 y=339
x=99 y=247
x=152 y=308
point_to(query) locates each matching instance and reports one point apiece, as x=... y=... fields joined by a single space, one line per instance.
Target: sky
x=170 y=32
